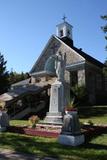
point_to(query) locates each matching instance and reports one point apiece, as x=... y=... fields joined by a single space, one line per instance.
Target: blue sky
x=26 y=26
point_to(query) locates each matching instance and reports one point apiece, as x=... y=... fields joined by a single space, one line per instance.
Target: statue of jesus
x=60 y=64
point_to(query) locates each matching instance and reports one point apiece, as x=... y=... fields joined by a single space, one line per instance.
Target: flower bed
x=35 y=131
x=88 y=130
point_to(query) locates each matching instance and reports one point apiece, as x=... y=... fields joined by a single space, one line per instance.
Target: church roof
x=70 y=45
x=88 y=57
x=83 y=54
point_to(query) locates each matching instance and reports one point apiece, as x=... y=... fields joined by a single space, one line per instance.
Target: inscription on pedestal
x=56 y=99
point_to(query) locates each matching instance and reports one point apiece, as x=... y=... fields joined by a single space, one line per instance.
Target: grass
x=95 y=114
x=99 y=120
x=96 y=149
x=19 y=122
x=96 y=120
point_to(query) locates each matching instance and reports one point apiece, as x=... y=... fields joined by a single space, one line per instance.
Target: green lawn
x=96 y=149
x=100 y=120
x=95 y=114
x=95 y=119
x=19 y=122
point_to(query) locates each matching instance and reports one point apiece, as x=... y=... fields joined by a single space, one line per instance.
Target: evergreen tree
x=104 y=28
x=4 y=81
x=15 y=77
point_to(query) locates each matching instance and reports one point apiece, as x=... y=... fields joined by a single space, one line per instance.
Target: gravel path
x=6 y=154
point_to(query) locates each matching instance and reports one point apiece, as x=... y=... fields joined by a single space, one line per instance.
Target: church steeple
x=64 y=32
x=64 y=29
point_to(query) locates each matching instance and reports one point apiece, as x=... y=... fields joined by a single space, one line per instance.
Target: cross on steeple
x=64 y=18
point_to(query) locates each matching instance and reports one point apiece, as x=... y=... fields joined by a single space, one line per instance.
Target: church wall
x=94 y=82
x=94 y=75
x=81 y=77
x=92 y=78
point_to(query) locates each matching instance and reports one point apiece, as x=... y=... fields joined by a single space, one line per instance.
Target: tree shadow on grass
x=95 y=146
x=27 y=144
x=51 y=148
x=92 y=132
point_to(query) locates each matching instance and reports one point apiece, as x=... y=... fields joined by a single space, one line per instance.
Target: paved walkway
x=6 y=154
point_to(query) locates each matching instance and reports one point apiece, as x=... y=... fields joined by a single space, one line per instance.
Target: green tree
x=104 y=28
x=4 y=81
x=15 y=77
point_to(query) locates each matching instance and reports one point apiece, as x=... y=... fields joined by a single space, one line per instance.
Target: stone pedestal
x=71 y=123
x=54 y=116
x=71 y=133
x=72 y=140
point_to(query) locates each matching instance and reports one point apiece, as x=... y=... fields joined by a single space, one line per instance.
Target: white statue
x=60 y=64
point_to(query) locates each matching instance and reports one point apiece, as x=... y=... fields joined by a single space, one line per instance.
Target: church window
x=61 y=33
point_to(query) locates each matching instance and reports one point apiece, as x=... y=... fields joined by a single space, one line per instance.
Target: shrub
x=70 y=105
x=81 y=94
x=33 y=120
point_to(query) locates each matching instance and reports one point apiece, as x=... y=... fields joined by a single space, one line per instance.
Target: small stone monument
x=4 y=119
x=71 y=134
x=54 y=116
